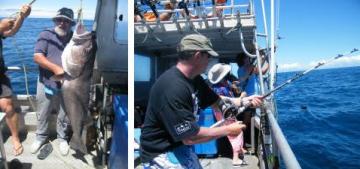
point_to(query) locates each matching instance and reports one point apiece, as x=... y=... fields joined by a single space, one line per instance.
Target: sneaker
x=64 y=148
x=36 y=146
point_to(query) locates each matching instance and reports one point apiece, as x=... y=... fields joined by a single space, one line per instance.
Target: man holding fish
x=48 y=50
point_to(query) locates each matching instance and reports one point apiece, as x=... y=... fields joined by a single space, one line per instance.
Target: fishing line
x=20 y=53
x=247 y=103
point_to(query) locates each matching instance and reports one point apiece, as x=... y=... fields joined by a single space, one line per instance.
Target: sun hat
x=65 y=13
x=218 y=72
x=196 y=42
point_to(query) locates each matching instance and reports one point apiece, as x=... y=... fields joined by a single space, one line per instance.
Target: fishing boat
x=232 y=28
x=108 y=103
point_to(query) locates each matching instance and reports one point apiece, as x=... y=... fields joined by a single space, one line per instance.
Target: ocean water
x=319 y=113
x=320 y=116
x=18 y=50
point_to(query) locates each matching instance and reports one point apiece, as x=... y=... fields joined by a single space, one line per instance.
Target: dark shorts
x=5 y=87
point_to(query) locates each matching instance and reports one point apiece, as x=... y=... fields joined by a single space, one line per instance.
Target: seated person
x=151 y=17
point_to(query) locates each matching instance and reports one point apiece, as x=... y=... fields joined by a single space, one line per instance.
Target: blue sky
x=314 y=30
x=48 y=8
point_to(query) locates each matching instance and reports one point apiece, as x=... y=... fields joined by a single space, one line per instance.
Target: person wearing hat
x=48 y=51
x=220 y=77
x=9 y=27
x=175 y=98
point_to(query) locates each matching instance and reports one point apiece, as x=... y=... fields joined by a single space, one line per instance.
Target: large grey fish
x=78 y=62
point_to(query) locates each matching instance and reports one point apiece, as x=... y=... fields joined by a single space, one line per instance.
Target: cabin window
x=142 y=68
x=121 y=31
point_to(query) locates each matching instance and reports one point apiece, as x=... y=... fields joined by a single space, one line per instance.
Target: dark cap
x=65 y=13
x=196 y=42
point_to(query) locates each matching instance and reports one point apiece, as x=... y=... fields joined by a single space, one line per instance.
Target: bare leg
x=12 y=122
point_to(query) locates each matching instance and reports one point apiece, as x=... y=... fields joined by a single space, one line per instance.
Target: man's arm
x=43 y=62
x=207 y=134
x=25 y=11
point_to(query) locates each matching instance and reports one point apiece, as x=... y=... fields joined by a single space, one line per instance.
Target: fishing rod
x=14 y=15
x=233 y=111
x=152 y=5
x=307 y=71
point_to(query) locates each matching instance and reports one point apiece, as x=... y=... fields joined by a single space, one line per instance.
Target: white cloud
x=290 y=67
x=346 y=61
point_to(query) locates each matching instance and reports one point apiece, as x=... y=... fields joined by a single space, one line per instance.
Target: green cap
x=196 y=42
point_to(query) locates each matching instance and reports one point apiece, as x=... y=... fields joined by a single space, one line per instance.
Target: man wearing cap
x=48 y=51
x=170 y=123
x=9 y=27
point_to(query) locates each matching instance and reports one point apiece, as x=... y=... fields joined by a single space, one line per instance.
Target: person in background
x=150 y=16
x=9 y=27
x=175 y=98
x=48 y=51
x=248 y=81
x=219 y=75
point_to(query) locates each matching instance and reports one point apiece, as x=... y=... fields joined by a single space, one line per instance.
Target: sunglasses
x=206 y=53
x=59 y=20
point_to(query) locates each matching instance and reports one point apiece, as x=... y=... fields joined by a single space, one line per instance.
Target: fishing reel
x=228 y=108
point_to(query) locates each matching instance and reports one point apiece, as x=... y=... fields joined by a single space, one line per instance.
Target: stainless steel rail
x=286 y=153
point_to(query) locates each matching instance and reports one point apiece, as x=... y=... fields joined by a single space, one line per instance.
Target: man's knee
x=8 y=108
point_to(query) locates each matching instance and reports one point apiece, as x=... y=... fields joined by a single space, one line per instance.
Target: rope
x=20 y=53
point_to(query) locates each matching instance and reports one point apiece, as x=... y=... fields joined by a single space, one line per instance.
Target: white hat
x=218 y=72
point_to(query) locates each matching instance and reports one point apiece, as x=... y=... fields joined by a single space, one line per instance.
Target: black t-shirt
x=2 y=63
x=170 y=116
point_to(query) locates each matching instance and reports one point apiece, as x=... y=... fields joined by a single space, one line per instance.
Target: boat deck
x=226 y=163
x=55 y=160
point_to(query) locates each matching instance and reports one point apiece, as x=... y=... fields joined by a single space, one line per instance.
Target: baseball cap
x=65 y=13
x=196 y=42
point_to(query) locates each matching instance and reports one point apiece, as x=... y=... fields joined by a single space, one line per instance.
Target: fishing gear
x=152 y=5
x=307 y=71
x=233 y=111
x=16 y=14
x=183 y=5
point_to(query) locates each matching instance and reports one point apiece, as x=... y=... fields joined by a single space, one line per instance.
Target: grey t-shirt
x=52 y=46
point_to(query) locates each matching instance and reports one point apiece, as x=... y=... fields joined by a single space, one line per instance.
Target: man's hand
x=25 y=10
x=255 y=100
x=235 y=128
x=58 y=71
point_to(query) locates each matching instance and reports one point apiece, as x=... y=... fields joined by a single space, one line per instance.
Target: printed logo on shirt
x=182 y=127
x=195 y=102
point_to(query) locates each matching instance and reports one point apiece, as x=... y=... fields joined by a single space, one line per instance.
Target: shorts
x=182 y=157
x=5 y=86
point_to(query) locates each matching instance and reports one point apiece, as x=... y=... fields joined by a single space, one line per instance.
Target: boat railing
x=208 y=17
x=283 y=146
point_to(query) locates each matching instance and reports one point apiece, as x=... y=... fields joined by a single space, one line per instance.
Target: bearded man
x=47 y=54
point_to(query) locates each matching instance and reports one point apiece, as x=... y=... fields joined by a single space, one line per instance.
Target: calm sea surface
x=319 y=114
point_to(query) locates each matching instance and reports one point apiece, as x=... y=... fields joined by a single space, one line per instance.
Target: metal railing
x=286 y=153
